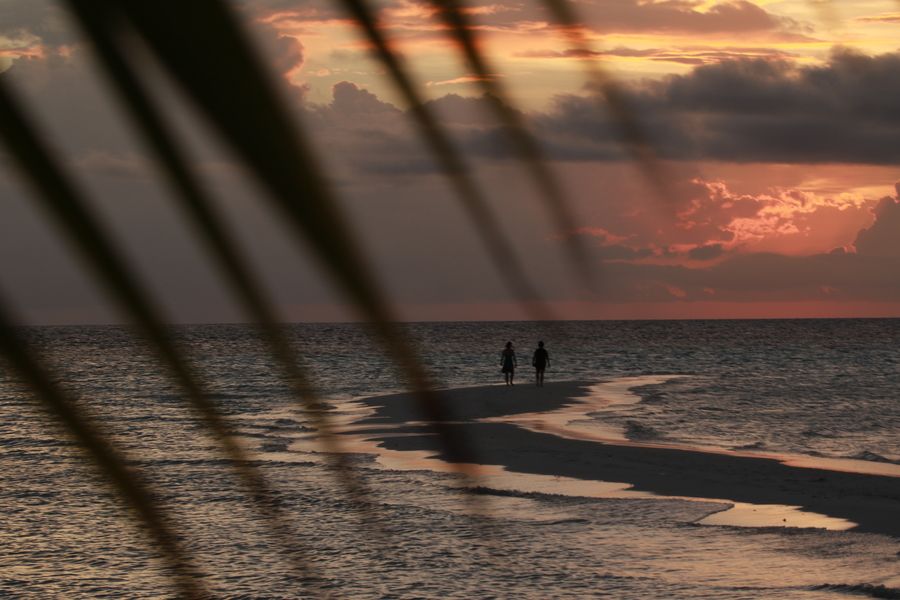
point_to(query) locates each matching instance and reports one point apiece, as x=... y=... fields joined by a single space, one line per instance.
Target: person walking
x=508 y=363
x=540 y=361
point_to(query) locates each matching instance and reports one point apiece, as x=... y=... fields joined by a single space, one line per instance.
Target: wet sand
x=871 y=501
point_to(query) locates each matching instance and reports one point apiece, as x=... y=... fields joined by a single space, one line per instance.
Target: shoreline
x=485 y=417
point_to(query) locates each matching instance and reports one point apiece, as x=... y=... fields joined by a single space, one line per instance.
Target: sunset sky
x=776 y=124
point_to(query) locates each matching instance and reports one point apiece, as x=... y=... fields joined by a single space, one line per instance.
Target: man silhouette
x=540 y=361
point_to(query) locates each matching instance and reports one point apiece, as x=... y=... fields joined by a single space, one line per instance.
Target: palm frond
x=474 y=202
x=102 y=28
x=225 y=79
x=460 y=29
x=108 y=460
x=65 y=204
x=631 y=132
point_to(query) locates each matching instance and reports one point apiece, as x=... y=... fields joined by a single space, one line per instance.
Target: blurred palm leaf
x=66 y=205
x=229 y=86
x=497 y=246
x=452 y=13
x=95 y=443
x=624 y=117
x=102 y=27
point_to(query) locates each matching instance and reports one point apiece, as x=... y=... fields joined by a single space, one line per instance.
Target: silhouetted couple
x=540 y=360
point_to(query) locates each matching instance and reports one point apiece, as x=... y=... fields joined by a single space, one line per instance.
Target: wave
x=860 y=589
x=487 y=491
x=872 y=457
x=571 y=521
x=819 y=434
x=759 y=445
x=638 y=431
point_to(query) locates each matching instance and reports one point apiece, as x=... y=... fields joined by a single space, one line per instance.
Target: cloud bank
x=712 y=243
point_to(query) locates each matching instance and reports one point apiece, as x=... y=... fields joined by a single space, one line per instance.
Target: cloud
x=882 y=239
x=425 y=248
x=603 y=245
x=366 y=137
x=685 y=55
x=869 y=274
x=706 y=252
x=457 y=80
x=284 y=53
x=882 y=18
x=771 y=277
x=372 y=138
x=749 y=111
x=633 y=16
x=288 y=14
x=351 y=101
x=34 y=23
x=417 y=17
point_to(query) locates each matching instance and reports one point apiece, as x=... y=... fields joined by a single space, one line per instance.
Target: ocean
x=809 y=388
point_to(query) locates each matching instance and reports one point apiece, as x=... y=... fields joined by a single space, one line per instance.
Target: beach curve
x=498 y=422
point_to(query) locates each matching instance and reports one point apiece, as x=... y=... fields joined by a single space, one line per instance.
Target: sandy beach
x=841 y=490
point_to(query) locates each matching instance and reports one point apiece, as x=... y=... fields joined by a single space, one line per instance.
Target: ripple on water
x=533 y=544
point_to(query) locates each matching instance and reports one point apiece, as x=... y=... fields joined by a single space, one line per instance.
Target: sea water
x=823 y=388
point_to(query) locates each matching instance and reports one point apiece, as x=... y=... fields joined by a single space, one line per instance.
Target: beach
x=836 y=489
x=714 y=460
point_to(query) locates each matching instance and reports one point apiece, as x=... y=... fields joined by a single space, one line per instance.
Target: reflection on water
x=569 y=421
x=582 y=420
x=742 y=514
x=578 y=420
x=63 y=535
x=605 y=537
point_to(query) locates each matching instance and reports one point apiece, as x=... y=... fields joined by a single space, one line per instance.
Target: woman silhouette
x=508 y=362
x=540 y=361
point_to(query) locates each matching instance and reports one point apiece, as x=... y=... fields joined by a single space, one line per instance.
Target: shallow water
x=806 y=387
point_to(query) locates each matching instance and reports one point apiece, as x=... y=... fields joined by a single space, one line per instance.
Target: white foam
x=571 y=422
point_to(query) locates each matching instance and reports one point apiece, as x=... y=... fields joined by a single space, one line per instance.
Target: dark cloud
x=454 y=109
x=758 y=277
x=41 y=22
x=883 y=237
x=604 y=246
x=351 y=101
x=422 y=244
x=869 y=274
x=365 y=136
x=283 y=53
x=750 y=111
x=707 y=252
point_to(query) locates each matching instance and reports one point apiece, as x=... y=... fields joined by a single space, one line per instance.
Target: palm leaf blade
x=496 y=244
x=62 y=200
x=224 y=79
x=555 y=200
x=631 y=132
x=99 y=26
x=104 y=455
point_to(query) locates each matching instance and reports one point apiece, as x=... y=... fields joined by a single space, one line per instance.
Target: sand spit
x=485 y=417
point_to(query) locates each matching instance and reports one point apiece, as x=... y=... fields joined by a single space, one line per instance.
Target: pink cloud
x=457 y=80
x=685 y=55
